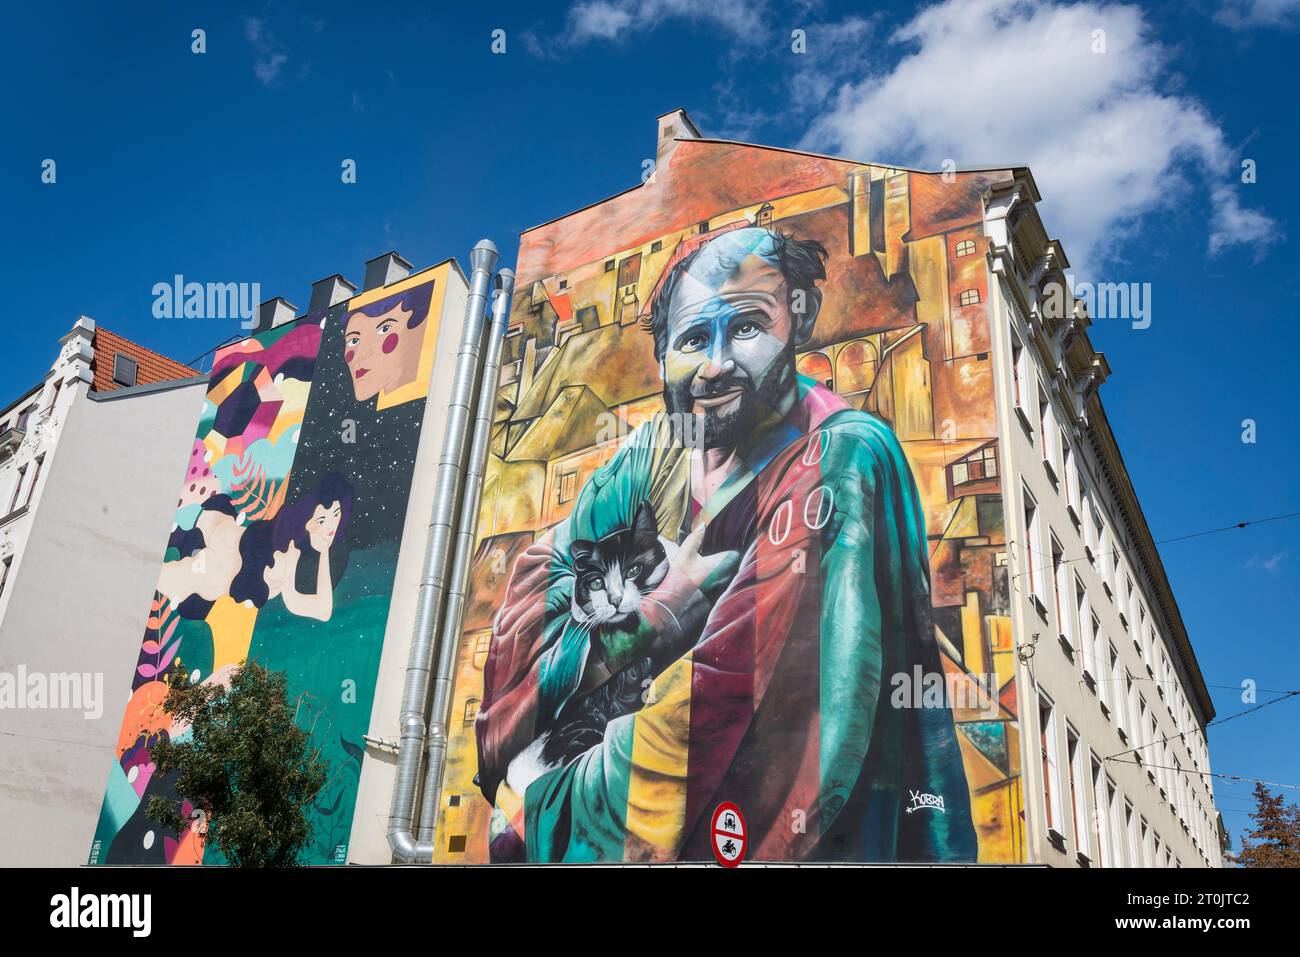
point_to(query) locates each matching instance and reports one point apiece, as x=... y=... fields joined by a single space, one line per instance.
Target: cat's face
x=612 y=576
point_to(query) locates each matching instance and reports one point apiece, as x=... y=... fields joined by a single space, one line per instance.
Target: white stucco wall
x=77 y=603
x=369 y=840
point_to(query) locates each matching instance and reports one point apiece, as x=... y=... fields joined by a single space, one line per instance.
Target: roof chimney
x=390 y=267
x=673 y=125
x=330 y=291
x=275 y=312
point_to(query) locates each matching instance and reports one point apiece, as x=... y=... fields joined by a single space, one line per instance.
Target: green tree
x=247 y=767
x=1274 y=841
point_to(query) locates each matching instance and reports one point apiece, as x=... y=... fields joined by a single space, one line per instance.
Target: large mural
x=741 y=537
x=284 y=548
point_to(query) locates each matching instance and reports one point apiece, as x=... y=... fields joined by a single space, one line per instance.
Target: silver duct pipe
x=415 y=691
x=466 y=529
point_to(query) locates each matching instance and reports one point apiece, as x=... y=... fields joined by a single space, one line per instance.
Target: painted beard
x=724 y=429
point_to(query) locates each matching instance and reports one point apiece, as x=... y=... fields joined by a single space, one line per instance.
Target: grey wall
x=78 y=603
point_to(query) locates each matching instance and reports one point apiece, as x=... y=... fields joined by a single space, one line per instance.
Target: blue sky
x=225 y=167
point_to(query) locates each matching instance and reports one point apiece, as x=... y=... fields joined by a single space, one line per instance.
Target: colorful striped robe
x=782 y=705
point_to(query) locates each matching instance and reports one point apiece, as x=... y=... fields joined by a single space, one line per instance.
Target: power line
x=1164 y=541
x=1217 y=774
x=1286 y=695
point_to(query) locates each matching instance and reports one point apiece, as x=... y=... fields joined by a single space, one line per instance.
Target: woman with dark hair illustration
x=256 y=562
x=385 y=350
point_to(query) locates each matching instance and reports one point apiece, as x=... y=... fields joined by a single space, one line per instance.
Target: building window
x=629 y=270
x=978 y=465
x=1078 y=806
x=1130 y=832
x=1048 y=433
x=1123 y=714
x=564 y=284
x=965 y=247
x=1020 y=379
x=657 y=245
x=609 y=265
x=1110 y=671
x=36 y=477
x=482 y=645
x=1051 y=781
x=54 y=395
x=471 y=710
x=1060 y=589
x=568 y=486
x=1081 y=609
x=18 y=487
x=23 y=416
x=1033 y=549
x=4 y=574
x=968 y=297
x=124 y=369
x=456 y=844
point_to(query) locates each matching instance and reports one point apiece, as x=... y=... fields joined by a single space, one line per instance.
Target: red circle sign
x=728 y=831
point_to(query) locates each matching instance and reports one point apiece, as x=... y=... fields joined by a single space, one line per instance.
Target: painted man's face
x=729 y=350
x=381 y=352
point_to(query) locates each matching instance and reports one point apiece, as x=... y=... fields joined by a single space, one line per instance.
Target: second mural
x=284 y=549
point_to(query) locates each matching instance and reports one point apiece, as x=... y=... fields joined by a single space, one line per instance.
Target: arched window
x=471 y=710
x=966 y=247
x=969 y=297
x=817 y=366
x=855 y=367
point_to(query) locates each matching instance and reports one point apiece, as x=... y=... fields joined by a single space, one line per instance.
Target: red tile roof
x=150 y=366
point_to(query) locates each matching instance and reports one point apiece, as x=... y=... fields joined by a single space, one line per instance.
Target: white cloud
x=1002 y=82
x=1242 y=14
x=615 y=19
x=1268 y=564
x=270 y=55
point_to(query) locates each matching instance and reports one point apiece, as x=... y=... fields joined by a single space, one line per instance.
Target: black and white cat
x=613 y=575
x=612 y=578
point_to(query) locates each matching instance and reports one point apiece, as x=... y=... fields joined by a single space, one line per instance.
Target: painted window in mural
x=284 y=548
x=724 y=554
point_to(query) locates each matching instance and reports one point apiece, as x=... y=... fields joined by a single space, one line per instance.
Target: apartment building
x=1078 y=706
x=1116 y=757
x=88 y=459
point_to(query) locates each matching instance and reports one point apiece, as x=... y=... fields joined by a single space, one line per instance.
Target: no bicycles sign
x=728 y=830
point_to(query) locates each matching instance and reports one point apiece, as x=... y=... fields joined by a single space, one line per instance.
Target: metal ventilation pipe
x=415 y=691
x=466 y=529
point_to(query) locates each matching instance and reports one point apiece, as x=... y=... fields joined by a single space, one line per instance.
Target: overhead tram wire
x=1164 y=541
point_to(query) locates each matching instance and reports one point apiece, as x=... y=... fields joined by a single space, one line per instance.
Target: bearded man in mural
x=720 y=616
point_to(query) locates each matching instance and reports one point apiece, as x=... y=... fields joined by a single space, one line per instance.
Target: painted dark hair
x=261 y=540
x=802 y=263
x=188 y=541
x=415 y=300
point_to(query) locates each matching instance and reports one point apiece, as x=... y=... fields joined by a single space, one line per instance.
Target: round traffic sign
x=728 y=831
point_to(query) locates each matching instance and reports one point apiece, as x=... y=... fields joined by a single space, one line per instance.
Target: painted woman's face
x=324 y=525
x=382 y=353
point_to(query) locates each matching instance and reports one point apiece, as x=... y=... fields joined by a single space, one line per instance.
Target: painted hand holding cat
x=674 y=613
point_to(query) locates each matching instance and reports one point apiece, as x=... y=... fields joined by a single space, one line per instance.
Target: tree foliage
x=247 y=768
x=1274 y=840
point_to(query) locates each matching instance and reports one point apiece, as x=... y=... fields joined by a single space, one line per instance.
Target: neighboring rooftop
x=138 y=365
